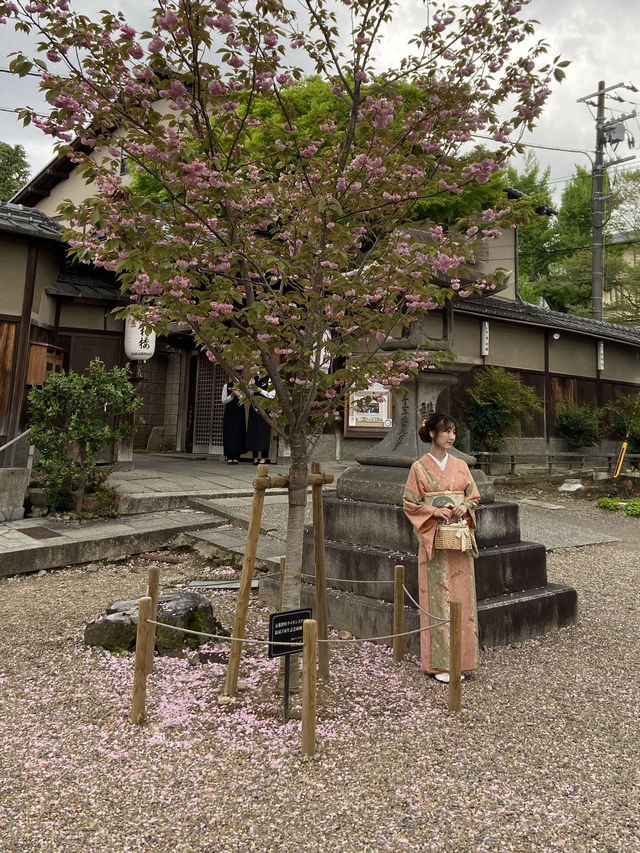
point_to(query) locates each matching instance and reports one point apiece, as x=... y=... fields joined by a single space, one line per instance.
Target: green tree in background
x=624 y=307
x=535 y=231
x=14 y=170
x=310 y=104
x=566 y=286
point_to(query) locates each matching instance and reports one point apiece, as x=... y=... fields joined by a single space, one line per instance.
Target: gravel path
x=542 y=758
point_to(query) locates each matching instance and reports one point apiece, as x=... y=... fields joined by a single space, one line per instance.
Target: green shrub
x=633 y=508
x=578 y=425
x=608 y=503
x=73 y=418
x=498 y=402
x=621 y=420
x=107 y=502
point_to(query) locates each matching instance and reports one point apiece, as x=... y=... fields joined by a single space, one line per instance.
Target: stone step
x=33 y=545
x=370 y=571
x=510 y=568
x=502 y=620
x=386 y=526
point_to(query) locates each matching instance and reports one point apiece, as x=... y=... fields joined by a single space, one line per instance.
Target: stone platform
x=515 y=602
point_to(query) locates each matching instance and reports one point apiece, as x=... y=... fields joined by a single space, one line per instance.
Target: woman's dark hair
x=435 y=423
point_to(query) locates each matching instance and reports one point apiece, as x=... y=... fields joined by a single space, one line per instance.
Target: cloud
x=598 y=38
x=599 y=41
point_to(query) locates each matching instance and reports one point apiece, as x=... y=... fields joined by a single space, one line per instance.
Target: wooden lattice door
x=207 y=426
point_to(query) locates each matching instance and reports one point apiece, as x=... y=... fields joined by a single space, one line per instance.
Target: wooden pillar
x=310 y=638
x=138 y=706
x=320 y=575
x=152 y=591
x=398 y=614
x=455 y=655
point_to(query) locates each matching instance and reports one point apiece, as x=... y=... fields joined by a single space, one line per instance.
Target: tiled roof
x=523 y=312
x=28 y=222
x=84 y=282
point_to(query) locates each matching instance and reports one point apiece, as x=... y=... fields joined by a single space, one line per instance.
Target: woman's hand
x=443 y=512
x=458 y=511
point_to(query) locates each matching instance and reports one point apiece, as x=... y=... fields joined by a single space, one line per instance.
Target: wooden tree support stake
x=246 y=577
x=398 y=614
x=455 y=655
x=138 y=706
x=309 y=655
x=152 y=591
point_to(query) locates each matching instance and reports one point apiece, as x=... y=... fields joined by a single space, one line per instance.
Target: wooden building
x=53 y=315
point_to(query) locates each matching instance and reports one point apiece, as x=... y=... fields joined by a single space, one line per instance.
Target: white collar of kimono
x=442 y=465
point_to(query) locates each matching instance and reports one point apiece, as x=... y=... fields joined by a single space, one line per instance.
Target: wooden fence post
x=398 y=614
x=244 y=594
x=455 y=655
x=138 y=711
x=283 y=566
x=152 y=591
x=320 y=575
x=309 y=656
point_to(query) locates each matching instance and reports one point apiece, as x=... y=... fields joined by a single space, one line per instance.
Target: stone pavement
x=208 y=504
x=163 y=497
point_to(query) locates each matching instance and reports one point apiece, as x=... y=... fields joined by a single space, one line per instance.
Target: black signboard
x=286 y=627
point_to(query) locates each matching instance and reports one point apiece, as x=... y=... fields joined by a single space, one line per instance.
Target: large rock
x=117 y=630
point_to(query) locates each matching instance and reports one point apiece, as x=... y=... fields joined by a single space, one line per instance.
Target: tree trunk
x=295 y=525
x=291 y=580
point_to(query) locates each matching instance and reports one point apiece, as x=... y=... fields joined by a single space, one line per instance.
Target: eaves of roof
x=48 y=177
x=27 y=222
x=523 y=312
x=87 y=285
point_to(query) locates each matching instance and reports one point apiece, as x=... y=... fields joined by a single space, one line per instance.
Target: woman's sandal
x=443 y=677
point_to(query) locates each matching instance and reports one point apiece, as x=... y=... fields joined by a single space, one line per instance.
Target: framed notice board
x=369 y=413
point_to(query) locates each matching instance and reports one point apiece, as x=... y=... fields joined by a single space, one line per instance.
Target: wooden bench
x=557 y=460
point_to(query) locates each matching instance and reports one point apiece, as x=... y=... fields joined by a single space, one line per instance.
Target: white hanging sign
x=138 y=345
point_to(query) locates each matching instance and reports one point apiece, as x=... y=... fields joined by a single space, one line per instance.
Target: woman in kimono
x=233 y=424
x=258 y=430
x=448 y=575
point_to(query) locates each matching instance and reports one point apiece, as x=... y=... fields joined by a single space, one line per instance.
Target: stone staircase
x=364 y=541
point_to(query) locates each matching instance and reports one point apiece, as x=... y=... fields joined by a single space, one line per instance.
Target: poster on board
x=369 y=412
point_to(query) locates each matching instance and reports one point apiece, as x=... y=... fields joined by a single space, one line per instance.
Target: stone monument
x=367 y=533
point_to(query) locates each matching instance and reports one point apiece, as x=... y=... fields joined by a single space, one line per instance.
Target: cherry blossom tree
x=282 y=244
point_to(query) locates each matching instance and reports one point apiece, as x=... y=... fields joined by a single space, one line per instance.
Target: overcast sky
x=599 y=38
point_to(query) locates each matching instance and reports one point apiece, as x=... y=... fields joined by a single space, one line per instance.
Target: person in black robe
x=258 y=430
x=233 y=424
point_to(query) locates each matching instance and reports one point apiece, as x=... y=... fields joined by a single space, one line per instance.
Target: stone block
x=571 y=487
x=385 y=525
x=510 y=568
x=154 y=442
x=501 y=621
x=370 y=571
x=13 y=490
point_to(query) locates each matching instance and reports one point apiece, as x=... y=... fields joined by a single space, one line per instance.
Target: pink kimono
x=443 y=576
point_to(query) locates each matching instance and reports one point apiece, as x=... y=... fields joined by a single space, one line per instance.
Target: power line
x=544 y=147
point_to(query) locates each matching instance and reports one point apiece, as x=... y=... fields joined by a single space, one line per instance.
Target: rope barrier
x=258 y=642
x=345 y=580
x=407 y=593
x=421 y=609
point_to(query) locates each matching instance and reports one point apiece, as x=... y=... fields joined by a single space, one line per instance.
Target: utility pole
x=597 y=211
x=605 y=132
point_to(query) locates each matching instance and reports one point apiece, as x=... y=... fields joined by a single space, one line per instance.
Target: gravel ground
x=543 y=756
